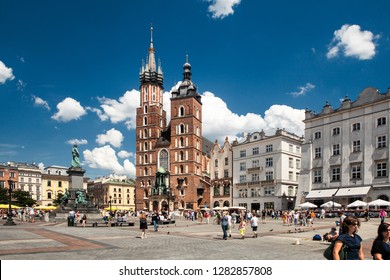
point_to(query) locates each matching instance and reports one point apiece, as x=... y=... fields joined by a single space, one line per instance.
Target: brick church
x=172 y=159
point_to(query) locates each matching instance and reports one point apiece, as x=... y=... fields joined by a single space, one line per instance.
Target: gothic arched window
x=164 y=159
x=181 y=112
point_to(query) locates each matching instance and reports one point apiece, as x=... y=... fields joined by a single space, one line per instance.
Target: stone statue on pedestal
x=75 y=157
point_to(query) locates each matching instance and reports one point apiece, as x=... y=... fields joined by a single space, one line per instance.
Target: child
x=242 y=228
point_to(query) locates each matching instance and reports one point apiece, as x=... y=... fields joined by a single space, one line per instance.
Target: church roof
x=207 y=146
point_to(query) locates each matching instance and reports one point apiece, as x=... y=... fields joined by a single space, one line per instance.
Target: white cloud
x=77 y=142
x=106 y=159
x=113 y=137
x=302 y=90
x=123 y=110
x=40 y=102
x=125 y=154
x=222 y=8
x=353 y=42
x=5 y=73
x=283 y=116
x=220 y=122
x=20 y=85
x=41 y=166
x=69 y=109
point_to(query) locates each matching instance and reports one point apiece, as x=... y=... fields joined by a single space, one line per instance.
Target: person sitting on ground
x=331 y=235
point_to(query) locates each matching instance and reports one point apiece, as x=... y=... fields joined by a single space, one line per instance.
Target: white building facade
x=345 y=155
x=30 y=179
x=221 y=174
x=266 y=170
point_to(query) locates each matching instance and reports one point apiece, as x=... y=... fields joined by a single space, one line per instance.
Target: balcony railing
x=255 y=169
x=267 y=182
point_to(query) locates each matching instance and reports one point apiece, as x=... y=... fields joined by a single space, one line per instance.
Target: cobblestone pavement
x=185 y=240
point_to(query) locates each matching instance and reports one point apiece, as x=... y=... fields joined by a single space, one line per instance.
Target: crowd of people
x=25 y=214
x=346 y=237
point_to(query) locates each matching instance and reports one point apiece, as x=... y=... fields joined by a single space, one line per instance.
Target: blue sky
x=69 y=69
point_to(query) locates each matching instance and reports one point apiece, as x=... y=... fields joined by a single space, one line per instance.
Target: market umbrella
x=5 y=206
x=357 y=203
x=379 y=202
x=217 y=208
x=116 y=208
x=307 y=205
x=237 y=207
x=41 y=207
x=330 y=204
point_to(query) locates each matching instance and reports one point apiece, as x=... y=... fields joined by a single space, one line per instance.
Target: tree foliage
x=19 y=198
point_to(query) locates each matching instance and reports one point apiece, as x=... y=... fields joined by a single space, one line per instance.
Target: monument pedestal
x=76 y=181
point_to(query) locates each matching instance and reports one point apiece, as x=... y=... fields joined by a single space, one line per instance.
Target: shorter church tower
x=186 y=143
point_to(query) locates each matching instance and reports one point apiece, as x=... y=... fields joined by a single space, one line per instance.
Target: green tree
x=22 y=198
x=4 y=196
x=57 y=201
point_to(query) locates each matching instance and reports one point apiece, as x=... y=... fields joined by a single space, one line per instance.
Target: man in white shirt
x=254 y=224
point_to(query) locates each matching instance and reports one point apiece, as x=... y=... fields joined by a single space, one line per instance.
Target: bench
x=166 y=222
x=119 y=224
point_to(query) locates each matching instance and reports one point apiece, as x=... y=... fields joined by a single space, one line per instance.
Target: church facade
x=172 y=159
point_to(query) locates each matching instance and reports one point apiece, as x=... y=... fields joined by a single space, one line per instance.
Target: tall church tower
x=150 y=122
x=186 y=143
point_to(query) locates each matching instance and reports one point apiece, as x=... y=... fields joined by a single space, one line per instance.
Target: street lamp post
x=110 y=204
x=333 y=195
x=169 y=198
x=9 y=221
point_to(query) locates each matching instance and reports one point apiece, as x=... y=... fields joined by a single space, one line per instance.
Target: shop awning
x=356 y=191
x=321 y=193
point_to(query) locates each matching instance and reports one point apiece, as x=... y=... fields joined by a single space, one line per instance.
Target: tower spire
x=152 y=59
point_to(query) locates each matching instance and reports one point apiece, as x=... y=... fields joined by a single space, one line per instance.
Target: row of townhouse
x=45 y=185
x=115 y=192
x=343 y=156
x=260 y=172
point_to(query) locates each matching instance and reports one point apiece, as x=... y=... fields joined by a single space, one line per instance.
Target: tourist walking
x=207 y=217
x=382 y=215
x=200 y=217
x=155 y=219
x=263 y=213
x=351 y=239
x=254 y=224
x=229 y=229
x=381 y=246
x=143 y=224
x=224 y=225
x=242 y=228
